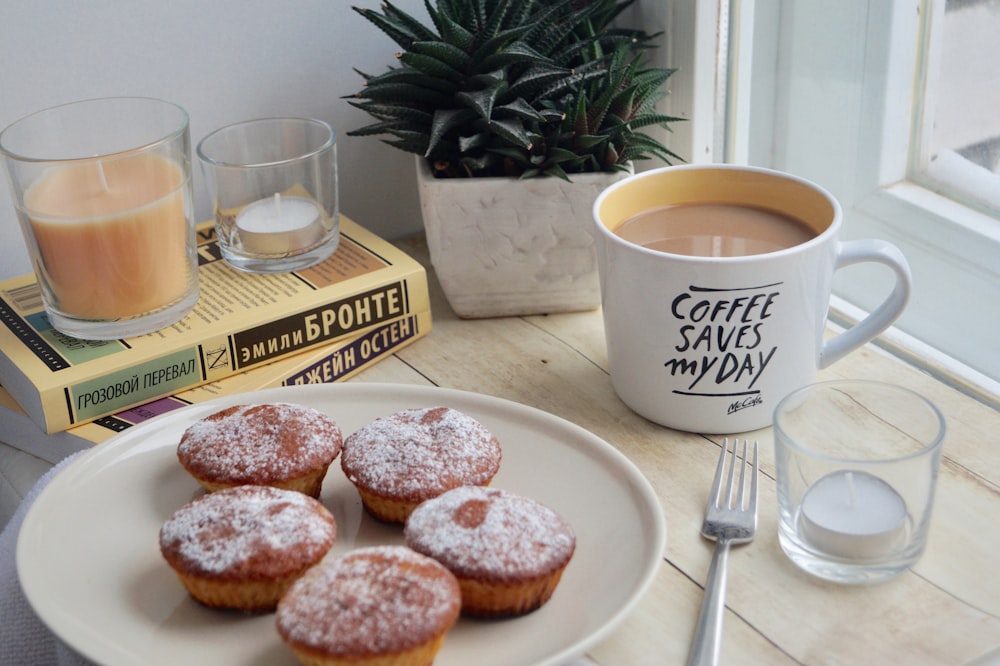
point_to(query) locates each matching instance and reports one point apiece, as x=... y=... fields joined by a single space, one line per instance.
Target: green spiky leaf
x=482 y=101
x=430 y=66
x=512 y=131
x=513 y=53
x=521 y=109
x=444 y=121
x=447 y=53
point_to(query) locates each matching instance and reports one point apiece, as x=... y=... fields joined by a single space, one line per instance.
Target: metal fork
x=729 y=518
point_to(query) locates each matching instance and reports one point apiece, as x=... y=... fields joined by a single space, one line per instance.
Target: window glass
x=893 y=106
x=959 y=146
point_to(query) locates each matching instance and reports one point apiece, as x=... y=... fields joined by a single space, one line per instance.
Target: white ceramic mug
x=712 y=344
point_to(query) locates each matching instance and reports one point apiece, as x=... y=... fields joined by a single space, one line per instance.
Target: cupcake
x=241 y=547
x=376 y=606
x=280 y=445
x=398 y=461
x=507 y=551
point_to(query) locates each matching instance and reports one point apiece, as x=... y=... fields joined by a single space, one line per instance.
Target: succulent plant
x=516 y=88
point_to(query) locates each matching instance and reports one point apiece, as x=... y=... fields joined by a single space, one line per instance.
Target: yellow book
x=331 y=363
x=242 y=321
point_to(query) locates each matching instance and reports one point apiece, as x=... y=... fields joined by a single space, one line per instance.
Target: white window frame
x=826 y=90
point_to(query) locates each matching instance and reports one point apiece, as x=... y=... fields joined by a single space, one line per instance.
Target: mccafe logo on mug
x=715 y=285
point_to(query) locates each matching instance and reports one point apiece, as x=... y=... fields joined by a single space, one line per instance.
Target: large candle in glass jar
x=111 y=235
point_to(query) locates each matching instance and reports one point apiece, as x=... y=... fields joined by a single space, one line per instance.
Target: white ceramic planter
x=503 y=247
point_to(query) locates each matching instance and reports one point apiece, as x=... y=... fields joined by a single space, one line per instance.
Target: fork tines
x=724 y=497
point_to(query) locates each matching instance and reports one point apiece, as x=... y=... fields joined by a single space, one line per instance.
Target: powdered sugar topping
x=259 y=443
x=490 y=534
x=239 y=532
x=376 y=599
x=421 y=453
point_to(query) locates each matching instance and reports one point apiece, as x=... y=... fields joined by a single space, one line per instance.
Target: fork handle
x=708 y=635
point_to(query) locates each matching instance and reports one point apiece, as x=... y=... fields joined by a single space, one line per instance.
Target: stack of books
x=59 y=394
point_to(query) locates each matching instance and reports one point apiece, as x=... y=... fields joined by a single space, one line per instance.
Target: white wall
x=231 y=60
x=223 y=61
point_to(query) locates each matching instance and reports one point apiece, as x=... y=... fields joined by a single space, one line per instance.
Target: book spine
x=223 y=356
x=335 y=363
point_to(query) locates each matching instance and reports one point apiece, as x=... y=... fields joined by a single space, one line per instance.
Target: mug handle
x=881 y=252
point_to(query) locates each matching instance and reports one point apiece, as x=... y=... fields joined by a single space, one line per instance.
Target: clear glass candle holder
x=273 y=183
x=856 y=468
x=103 y=194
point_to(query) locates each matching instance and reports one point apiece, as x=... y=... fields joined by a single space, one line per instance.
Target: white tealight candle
x=853 y=515
x=280 y=225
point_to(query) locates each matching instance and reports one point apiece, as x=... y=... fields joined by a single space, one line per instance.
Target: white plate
x=89 y=560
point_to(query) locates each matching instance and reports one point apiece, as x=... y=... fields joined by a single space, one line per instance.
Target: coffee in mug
x=715 y=284
x=714 y=230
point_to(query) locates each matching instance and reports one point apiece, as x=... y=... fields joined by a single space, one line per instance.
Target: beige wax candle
x=112 y=235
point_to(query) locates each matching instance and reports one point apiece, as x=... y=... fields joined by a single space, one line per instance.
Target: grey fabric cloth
x=24 y=638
